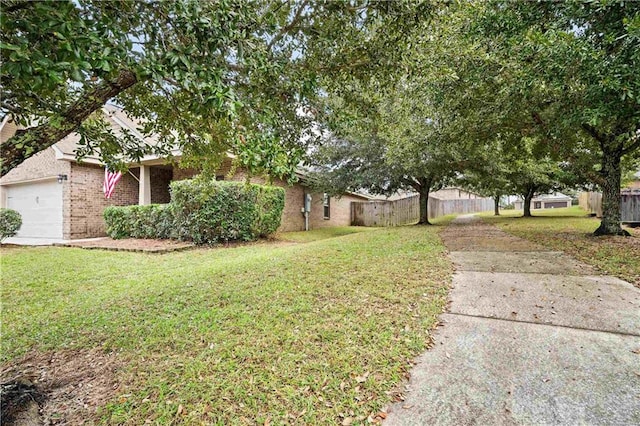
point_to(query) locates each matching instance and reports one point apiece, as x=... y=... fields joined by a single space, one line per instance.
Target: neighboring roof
x=66 y=148
x=302 y=174
x=399 y=195
x=361 y=195
x=443 y=193
x=556 y=196
x=117 y=119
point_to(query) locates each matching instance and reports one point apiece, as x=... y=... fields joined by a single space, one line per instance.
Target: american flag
x=110 y=180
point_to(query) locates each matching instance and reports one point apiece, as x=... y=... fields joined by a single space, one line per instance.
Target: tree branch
x=594 y=133
x=9 y=108
x=17 y=6
x=412 y=183
x=27 y=142
x=635 y=144
x=285 y=30
x=538 y=120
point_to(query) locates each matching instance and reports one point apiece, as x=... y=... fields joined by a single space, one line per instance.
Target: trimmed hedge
x=10 y=223
x=202 y=211
x=150 y=221
x=208 y=211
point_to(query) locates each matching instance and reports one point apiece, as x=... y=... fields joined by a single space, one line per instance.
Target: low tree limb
x=27 y=142
x=594 y=133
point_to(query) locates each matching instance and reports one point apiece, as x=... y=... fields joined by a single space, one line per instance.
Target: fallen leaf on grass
x=363 y=378
x=181 y=410
x=347 y=421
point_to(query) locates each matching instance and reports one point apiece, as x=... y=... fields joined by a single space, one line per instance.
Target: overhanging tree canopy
x=206 y=77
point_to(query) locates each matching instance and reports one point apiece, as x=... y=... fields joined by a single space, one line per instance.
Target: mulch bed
x=131 y=244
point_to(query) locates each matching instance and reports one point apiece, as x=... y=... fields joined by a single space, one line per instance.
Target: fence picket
x=406 y=211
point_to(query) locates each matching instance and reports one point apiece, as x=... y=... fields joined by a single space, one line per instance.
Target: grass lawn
x=570 y=230
x=321 y=234
x=307 y=333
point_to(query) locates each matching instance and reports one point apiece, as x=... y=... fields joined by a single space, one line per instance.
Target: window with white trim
x=326 y=203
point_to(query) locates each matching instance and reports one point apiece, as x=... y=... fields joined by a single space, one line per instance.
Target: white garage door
x=40 y=205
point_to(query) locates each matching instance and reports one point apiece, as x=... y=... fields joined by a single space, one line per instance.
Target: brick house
x=61 y=198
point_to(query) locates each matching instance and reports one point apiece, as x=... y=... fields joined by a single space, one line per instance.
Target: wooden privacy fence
x=386 y=213
x=629 y=204
x=591 y=202
x=630 y=207
x=439 y=207
x=407 y=210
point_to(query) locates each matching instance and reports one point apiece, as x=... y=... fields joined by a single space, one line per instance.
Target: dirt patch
x=161 y=246
x=131 y=244
x=58 y=388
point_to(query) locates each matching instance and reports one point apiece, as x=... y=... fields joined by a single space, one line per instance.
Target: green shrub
x=208 y=211
x=270 y=205
x=10 y=223
x=150 y=221
x=203 y=211
x=117 y=221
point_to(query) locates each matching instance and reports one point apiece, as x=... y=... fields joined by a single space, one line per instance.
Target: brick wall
x=635 y=184
x=160 y=180
x=181 y=174
x=87 y=201
x=292 y=218
x=339 y=211
x=41 y=165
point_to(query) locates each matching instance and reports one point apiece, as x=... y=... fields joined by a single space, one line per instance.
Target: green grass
x=321 y=233
x=574 y=211
x=309 y=332
x=570 y=230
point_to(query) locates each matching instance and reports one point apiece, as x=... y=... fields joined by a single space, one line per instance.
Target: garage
x=40 y=205
x=556 y=204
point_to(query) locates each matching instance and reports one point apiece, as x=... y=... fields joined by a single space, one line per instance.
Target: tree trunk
x=611 y=173
x=28 y=142
x=424 y=207
x=527 y=202
x=496 y=206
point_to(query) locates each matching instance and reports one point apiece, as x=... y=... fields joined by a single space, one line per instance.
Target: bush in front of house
x=10 y=223
x=270 y=205
x=209 y=211
x=150 y=221
x=203 y=211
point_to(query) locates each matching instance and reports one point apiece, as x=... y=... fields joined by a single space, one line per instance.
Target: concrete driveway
x=28 y=241
x=532 y=337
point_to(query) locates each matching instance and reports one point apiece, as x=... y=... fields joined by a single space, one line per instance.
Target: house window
x=326 y=202
x=537 y=205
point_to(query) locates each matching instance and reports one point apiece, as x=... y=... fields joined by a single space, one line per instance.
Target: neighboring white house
x=548 y=201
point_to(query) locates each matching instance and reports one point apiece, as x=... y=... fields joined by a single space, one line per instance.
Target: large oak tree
x=573 y=68
x=206 y=77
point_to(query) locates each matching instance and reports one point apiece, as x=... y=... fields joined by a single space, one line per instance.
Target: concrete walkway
x=531 y=337
x=28 y=241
